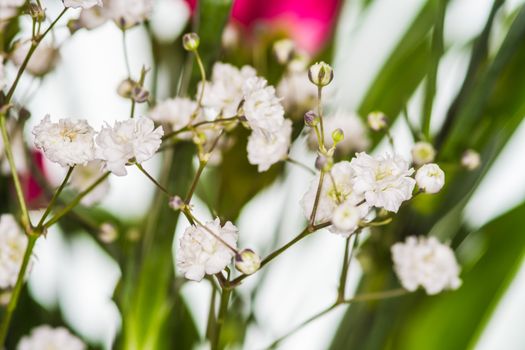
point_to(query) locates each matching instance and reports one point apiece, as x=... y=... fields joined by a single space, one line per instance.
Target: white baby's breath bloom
x=430 y=178
x=13 y=242
x=128 y=13
x=133 y=139
x=261 y=107
x=48 y=338
x=377 y=121
x=201 y=253
x=68 y=142
x=85 y=4
x=385 y=181
x=175 y=112
x=224 y=92
x=423 y=153
x=92 y=18
x=84 y=176
x=338 y=188
x=297 y=92
x=470 y=160
x=355 y=136
x=427 y=263
x=43 y=60
x=346 y=218
x=266 y=149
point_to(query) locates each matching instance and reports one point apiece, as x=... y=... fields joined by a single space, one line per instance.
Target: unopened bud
x=139 y=94
x=283 y=50
x=377 y=121
x=323 y=163
x=176 y=203
x=190 y=41
x=107 y=233
x=423 y=153
x=338 y=136
x=125 y=88
x=470 y=160
x=73 y=25
x=247 y=262
x=311 y=119
x=36 y=12
x=321 y=74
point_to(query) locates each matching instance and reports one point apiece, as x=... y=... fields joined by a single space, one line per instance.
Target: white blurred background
x=80 y=277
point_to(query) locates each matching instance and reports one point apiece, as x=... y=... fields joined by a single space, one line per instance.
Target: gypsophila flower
x=85 y=4
x=283 y=50
x=41 y=62
x=130 y=140
x=128 y=13
x=68 y=142
x=265 y=149
x=247 y=262
x=86 y=175
x=377 y=121
x=261 y=107
x=47 y=338
x=346 y=218
x=355 y=140
x=13 y=242
x=296 y=91
x=423 y=153
x=92 y=18
x=223 y=93
x=385 y=181
x=201 y=253
x=320 y=74
x=430 y=178
x=175 y=112
x=425 y=262
x=338 y=188
x=470 y=160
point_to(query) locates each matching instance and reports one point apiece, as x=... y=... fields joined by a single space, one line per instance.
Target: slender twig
x=320 y=115
x=202 y=72
x=298 y=163
x=152 y=179
x=215 y=235
x=202 y=165
x=347 y=260
x=54 y=198
x=317 y=197
x=75 y=201
x=223 y=309
x=196 y=125
x=125 y=50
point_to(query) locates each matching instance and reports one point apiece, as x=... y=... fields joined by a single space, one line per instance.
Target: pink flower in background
x=33 y=191
x=308 y=22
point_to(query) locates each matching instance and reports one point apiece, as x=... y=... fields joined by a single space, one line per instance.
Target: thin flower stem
x=54 y=198
x=132 y=111
x=356 y=299
x=202 y=72
x=202 y=165
x=125 y=50
x=347 y=260
x=211 y=312
x=4 y=327
x=298 y=163
x=26 y=221
x=223 y=310
x=320 y=114
x=152 y=179
x=317 y=197
x=216 y=236
x=75 y=201
x=196 y=125
x=377 y=223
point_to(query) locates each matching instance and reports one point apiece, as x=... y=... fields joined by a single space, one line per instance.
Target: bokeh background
x=75 y=278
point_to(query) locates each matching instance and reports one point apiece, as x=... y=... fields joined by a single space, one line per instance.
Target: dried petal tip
x=321 y=74
x=377 y=121
x=190 y=41
x=310 y=119
x=247 y=262
x=176 y=203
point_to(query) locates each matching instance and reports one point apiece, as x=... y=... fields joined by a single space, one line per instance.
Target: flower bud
x=139 y=94
x=247 y=262
x=176 y=203
x=283 y=50
x=377 y=121
x=323 y=163
x=430 y=178
x=423 y=153
x=190 y=41
x=338 y=136
x=125 y=88
x=73 y=25
x=320 y=74
x=311 y=119
x=107 y=233
x=470 y=160
x=36 y=12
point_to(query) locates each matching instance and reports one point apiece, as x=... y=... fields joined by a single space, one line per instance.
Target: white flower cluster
x=125 y=13
x=175 y=112
x=48 y=338
x=85 y=4
x=71 y=142
x=201 y=253
x=13 y=242
x=427 y=263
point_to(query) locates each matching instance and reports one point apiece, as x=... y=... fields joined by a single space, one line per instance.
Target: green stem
x=125 y=50
x=202 y=72
x=75 y=201
x=4 y=327
x=54 y=198
x=223 y=309
x=317 y=197
x=347 y=260
x=320 y=115
x=26 y=221
x=196 y=125
x=152 y=179
x=298 y=163
x=202 y=165
x=217 y=237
